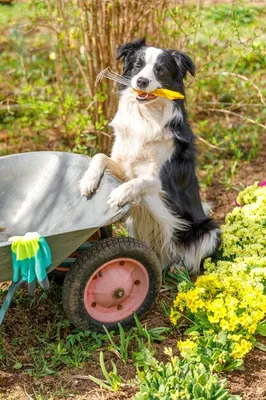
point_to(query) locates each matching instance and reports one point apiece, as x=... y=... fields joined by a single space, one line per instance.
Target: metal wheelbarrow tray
x=40 y=192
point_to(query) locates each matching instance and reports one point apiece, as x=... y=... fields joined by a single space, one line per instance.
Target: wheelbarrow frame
x=40 y=192
x=63 y=238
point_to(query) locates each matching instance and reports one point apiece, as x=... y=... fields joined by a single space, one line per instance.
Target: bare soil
x=223 y=200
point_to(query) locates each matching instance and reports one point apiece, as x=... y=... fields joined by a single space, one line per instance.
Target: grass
x=36 y=340
x=38 y=344
x=48 y=343
x=38 y=324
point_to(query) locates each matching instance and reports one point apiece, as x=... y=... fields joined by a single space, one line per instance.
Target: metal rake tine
x=118 y=79
x=108 y=73
x=101 y=75
x=114 y=74
x=115 y=78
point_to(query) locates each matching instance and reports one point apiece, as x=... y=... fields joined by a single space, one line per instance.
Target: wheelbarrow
x=111 y=279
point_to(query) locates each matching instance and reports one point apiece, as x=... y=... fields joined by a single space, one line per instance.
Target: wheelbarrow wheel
x=58 y=274
x=111 y=281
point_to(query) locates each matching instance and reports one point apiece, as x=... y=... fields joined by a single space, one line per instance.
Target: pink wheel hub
x=116 y=290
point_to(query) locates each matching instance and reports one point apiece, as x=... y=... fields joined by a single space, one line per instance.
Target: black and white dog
x=154 y=154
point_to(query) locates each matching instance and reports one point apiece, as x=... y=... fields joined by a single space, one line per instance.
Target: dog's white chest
x=138 y=159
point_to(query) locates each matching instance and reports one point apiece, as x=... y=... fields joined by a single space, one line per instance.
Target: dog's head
x=150 y=68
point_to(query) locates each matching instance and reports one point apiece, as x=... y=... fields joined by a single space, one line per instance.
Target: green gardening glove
x=31 y=256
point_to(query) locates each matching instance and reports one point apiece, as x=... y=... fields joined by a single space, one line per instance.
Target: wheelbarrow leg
x=7 y=301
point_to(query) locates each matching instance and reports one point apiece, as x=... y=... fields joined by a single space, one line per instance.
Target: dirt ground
x=223 y=200
x=250 y=383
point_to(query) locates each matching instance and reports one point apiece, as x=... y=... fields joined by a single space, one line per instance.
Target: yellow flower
x=231 y=292
x=52 y=56
x=252 y=328
x=187 y=348
x=207 y=281
x=235 y=338
x=241 y=349
x=173 y=317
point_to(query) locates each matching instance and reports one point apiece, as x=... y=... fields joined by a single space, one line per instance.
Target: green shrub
x=179 y=380
x=241 y=14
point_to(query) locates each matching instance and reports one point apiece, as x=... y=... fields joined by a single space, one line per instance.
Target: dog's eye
x=162 y=73
x=138 y=65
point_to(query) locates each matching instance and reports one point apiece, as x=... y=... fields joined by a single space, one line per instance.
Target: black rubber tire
x=106 y=250
x=59 y=276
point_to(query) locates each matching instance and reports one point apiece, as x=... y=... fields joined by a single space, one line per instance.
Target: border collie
x=154 y=155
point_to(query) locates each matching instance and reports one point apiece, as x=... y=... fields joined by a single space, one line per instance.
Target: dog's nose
x=142 y=82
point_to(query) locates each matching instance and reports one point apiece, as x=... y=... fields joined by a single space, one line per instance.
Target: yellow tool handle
x=168 y=94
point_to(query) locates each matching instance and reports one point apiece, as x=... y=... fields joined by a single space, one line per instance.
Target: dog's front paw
x=121 y=195
x=89 y=183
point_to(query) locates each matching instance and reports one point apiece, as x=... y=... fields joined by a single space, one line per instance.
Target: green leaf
x=18 y=365
x=203 y=379
x=101 y=383
x=197 y=391
x=110 y=338
x=223 y=396
x=114 y=367
x=203 y=319
x=222 y=337
x=216 y=354
x=116 y=381
x=236 y=364
x=157 y=333
x=206 y=360
x=260 y=346
x=104 y=370
x=193 y=328
x=261 y=329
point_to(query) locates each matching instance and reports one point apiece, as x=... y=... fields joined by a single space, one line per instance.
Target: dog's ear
x=184 y=63
x=129 y=48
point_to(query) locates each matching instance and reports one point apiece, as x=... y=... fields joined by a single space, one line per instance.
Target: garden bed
x=26 y=321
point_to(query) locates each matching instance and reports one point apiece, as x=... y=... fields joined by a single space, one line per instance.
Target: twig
x=164 y=290
x=236 y=105
x=84 y=76
x=29 y=397
x=100 y=132
x=105 y=134
x=244 y=78
x=237 y=115
x=210 y=144
x=85 y=377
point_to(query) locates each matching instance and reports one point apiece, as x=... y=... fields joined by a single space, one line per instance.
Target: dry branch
x=88 y=32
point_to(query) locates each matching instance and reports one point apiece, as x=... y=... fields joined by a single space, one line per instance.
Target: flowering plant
x=179 y=380
x=230 y=297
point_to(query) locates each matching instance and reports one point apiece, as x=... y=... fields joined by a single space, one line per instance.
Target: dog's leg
x=113 y=167
x=130 y=190
x=91 y=179
x=193 y=255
